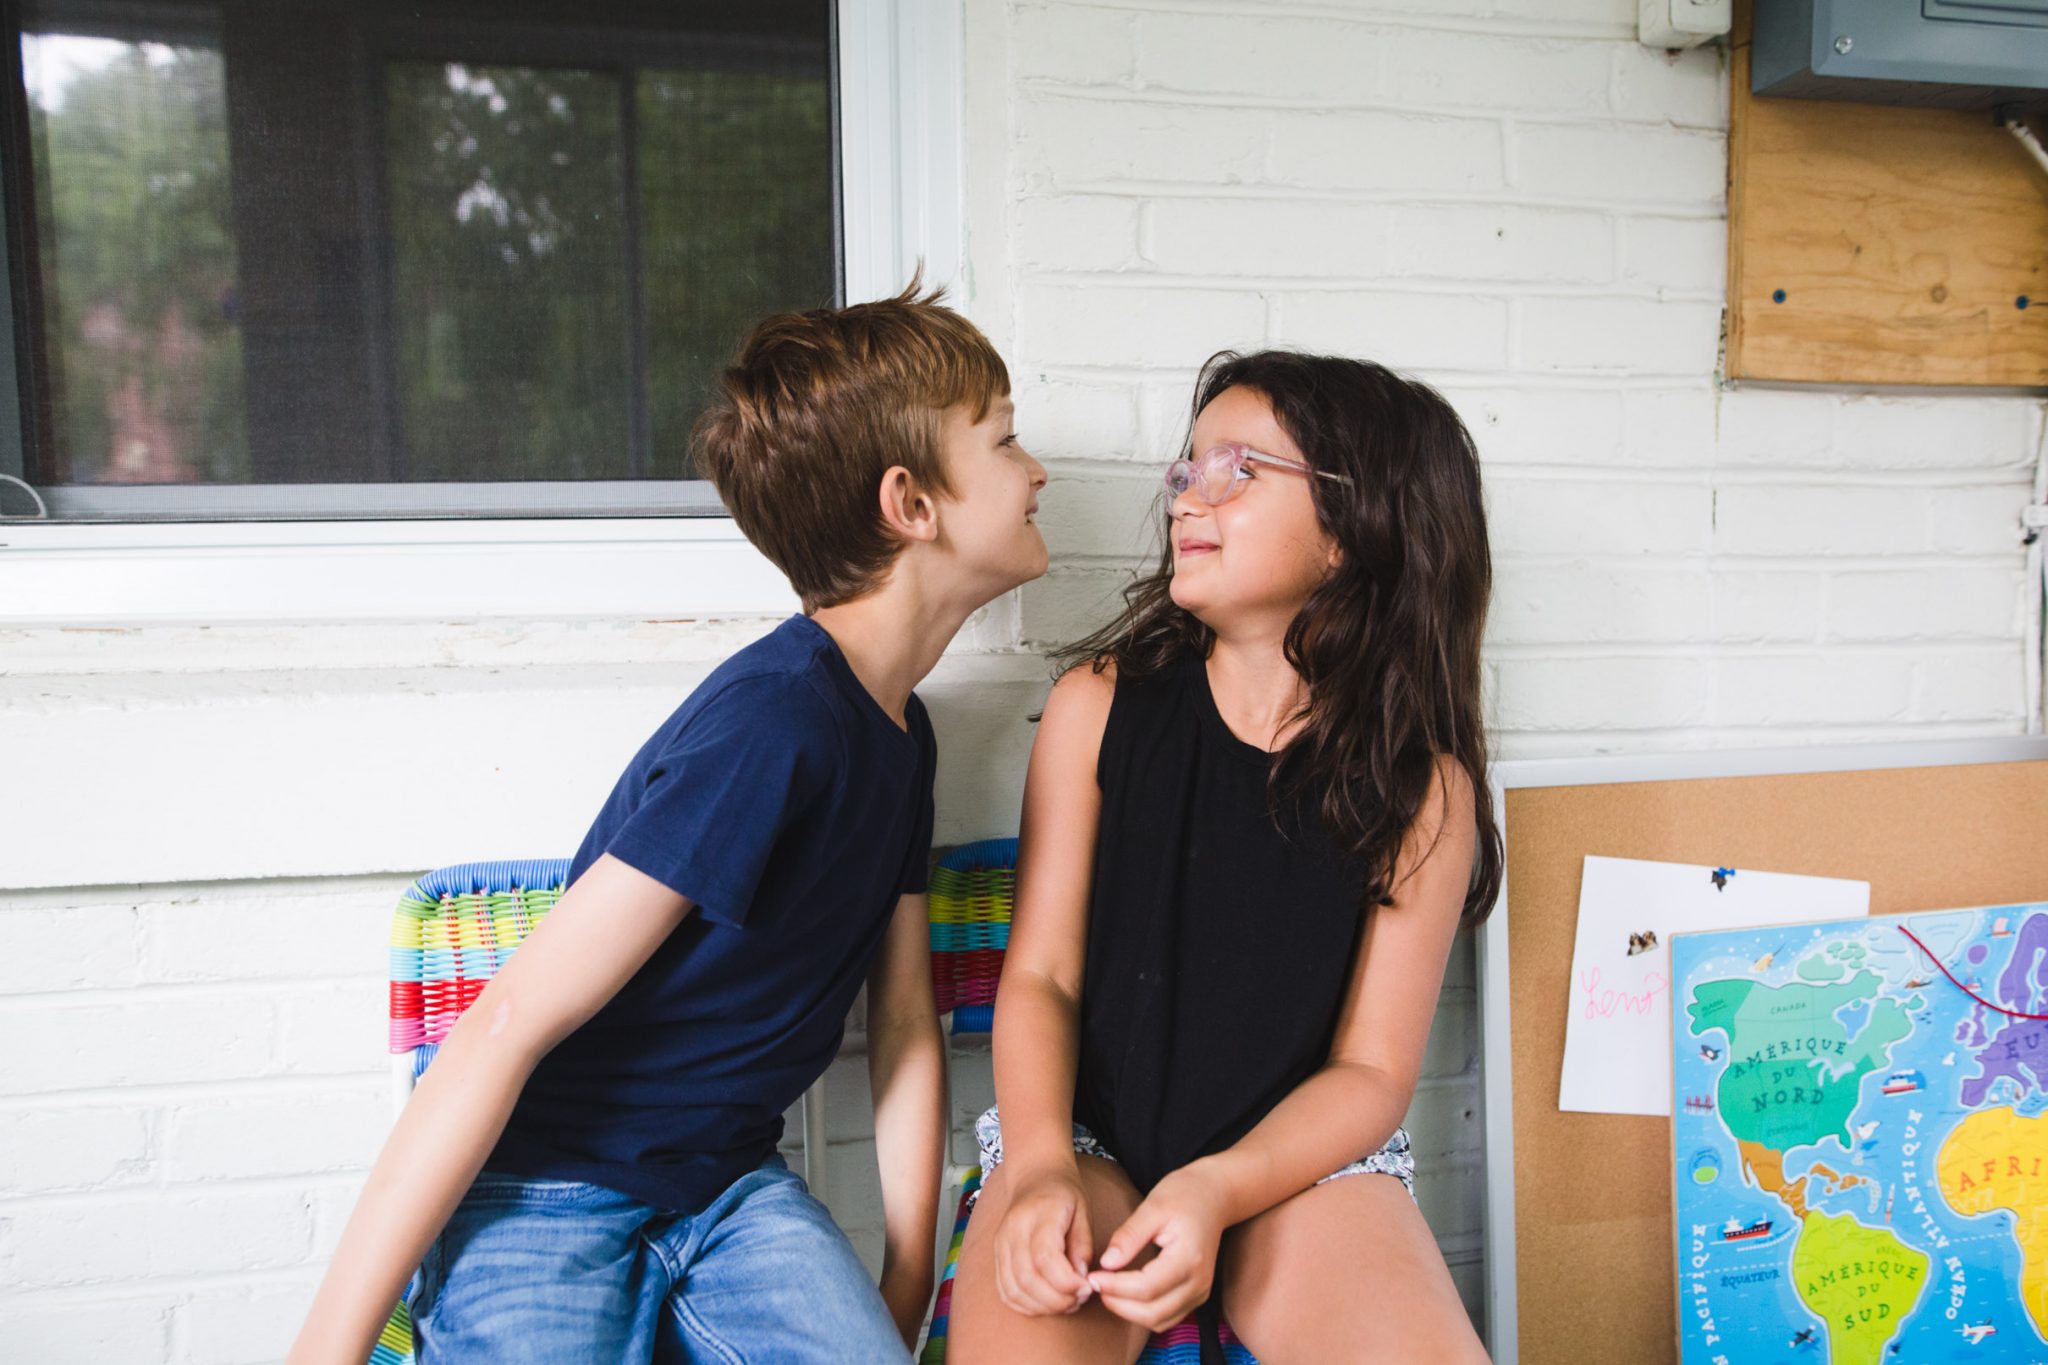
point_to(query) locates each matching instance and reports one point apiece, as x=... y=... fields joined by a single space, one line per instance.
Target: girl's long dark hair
x=1388 y=644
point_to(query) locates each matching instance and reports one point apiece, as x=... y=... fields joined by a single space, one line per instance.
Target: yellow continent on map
x=1994 y=1159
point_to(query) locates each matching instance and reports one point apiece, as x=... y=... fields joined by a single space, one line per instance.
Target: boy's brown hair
x=816 y=407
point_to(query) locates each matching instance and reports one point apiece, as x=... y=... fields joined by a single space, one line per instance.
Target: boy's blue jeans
x=548 y=1271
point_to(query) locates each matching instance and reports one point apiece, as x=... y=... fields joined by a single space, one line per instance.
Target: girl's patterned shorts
x=1393 y=1159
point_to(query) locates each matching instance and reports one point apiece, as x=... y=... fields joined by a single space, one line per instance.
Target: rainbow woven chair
x=972 y=891
x=453 y=931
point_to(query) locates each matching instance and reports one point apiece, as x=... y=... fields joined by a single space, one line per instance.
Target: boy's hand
x=1043 y=1244
x=1183 y=1217
x=908 y=1294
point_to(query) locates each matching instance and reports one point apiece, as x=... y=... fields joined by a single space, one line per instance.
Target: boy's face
x=988 y=525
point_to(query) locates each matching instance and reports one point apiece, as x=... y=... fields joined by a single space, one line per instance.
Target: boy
x=598 y=1132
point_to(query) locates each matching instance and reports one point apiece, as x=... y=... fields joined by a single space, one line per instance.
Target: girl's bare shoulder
x=1087 y=684
x=1077 y=711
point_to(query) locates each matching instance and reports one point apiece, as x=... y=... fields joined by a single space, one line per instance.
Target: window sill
x=297 y=572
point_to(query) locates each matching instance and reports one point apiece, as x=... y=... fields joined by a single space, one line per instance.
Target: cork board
x=1594 y=1275
x=1880 y=244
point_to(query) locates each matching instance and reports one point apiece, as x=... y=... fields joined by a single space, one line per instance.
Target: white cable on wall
x=2018 y=128
x=2035 y=522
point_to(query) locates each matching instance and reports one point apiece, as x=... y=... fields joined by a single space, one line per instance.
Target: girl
x=1252 y=826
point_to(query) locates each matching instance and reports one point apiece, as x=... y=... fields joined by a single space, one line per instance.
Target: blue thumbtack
x=1778 y=296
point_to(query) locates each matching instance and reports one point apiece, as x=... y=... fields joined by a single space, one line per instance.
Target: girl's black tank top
x=1219 y=943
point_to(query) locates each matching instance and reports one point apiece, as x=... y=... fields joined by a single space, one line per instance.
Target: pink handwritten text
x=1608 y=1002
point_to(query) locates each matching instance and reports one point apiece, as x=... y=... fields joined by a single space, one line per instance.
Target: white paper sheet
x=1617 y=1034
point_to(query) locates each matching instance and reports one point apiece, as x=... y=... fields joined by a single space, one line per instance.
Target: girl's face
x=1254 y=559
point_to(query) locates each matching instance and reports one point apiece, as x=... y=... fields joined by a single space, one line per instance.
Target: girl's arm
x=599 y=933
x=1043 y=1246
x=1343 y=1112
x=907 y=1073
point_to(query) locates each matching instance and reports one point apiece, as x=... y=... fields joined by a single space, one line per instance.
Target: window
x=332 y=259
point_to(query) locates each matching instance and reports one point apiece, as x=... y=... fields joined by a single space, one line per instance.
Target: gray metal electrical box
x=1961 y=54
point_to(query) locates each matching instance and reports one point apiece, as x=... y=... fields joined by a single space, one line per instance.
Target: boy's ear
x=908 y=510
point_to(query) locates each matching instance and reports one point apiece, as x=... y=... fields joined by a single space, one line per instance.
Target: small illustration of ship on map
x=1735 y=1230
x=1903 y=1082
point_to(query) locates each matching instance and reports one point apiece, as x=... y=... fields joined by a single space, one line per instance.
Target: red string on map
x=2017 y=1014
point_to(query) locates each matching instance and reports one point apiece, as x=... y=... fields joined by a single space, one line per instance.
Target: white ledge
x=245 y=573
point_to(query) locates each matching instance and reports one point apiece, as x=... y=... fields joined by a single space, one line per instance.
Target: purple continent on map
x=2018 y=1051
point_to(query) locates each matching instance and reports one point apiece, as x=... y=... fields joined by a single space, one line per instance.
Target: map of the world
x=1860 y=1135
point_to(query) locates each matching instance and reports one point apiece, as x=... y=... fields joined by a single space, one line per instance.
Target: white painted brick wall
x=1511 y=199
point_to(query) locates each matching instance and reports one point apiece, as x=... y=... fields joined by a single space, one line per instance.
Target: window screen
x=309 y=258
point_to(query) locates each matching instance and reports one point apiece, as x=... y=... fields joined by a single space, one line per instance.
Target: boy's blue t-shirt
x=785 y=803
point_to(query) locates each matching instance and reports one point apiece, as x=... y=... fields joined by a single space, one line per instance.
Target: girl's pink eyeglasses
x=1219 y=472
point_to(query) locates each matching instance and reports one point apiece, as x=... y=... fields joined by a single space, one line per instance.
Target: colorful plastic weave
x=1180 y=1345
x=453 y=931
x=973 y=888
x=394 y=1343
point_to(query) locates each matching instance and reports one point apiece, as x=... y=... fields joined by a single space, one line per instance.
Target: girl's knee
x=1443 y=1336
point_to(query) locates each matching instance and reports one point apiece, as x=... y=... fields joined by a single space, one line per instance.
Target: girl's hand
x=1043 y=1244
x=1183 y=1216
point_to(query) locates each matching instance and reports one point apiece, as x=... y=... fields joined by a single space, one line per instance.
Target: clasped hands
x=1043 y=1245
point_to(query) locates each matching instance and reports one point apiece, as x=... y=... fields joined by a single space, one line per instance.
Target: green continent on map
x=1793 y=1070
x=1862 y=1281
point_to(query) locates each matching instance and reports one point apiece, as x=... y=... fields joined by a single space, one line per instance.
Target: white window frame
x=899 y=65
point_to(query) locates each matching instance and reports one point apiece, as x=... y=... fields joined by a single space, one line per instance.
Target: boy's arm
x=907 y=1071
x=599 y=933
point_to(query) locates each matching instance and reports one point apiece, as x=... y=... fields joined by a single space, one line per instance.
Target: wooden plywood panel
x=1595 y=1271
x=1902 y=240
